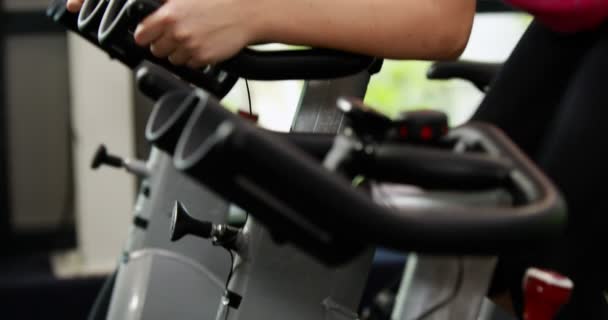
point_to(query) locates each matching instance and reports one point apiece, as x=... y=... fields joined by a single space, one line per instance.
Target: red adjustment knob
x=545 y=292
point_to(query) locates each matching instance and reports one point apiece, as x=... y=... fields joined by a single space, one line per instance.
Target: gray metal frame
x=158 y=278
x=264 y=272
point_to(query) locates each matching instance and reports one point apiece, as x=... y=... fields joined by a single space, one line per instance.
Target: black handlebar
x=154 y=83
x=288 y=190
x=309 y=64
x=480 y=74
x=90 y=16
x=433 y=169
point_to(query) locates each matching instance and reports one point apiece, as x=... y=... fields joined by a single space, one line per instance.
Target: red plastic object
x=426 y=133
x=545 y=292
x=249 y=116
x=566 y=15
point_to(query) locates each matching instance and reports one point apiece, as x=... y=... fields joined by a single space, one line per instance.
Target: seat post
x=317 y=110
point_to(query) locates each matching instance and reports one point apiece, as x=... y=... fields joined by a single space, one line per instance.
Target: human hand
x=198 y=32
x=74 y=5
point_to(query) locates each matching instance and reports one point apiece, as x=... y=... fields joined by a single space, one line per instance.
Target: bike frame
x=157 y=278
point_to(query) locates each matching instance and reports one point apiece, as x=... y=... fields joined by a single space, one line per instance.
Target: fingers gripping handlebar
x=249 y=63
x=116 y=31
x=112 y=24
x=86 y=24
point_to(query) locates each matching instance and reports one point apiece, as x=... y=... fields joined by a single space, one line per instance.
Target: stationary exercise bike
x=331 y=254
x=150 y=254
x=462 y=185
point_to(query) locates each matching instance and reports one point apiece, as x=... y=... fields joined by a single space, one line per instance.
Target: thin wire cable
x=229 y=277
x=250 y=111
x=249 y=96
x=231 y=267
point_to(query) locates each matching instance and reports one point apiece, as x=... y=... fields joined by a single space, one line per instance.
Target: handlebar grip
x=116 y=31
x=309 y=64
x=168 y=119
x=437 y=169
x=154 y=82
x=90 y=16
x=59 y=13
x=480 y=74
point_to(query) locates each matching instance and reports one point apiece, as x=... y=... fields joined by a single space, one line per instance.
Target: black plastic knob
x=182 y=223
x=362 y=119
x=103 y=157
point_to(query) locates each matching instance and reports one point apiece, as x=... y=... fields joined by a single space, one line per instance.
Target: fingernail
x=137 y=32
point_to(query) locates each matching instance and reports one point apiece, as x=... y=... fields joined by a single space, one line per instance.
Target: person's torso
x=566 y=15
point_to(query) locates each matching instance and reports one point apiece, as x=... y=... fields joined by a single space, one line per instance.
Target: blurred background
x=62 y=224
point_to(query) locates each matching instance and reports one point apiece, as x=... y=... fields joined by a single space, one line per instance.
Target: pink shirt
x=566 y=15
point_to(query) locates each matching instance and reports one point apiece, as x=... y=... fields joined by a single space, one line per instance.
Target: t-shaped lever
x=102 y=157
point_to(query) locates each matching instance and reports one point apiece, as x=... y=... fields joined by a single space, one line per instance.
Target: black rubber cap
x=183 y=224
x=102 y=157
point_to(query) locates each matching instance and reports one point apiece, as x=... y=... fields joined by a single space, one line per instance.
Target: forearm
x=400 y=29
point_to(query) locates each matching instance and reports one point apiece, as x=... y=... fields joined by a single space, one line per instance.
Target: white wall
x=102 y=109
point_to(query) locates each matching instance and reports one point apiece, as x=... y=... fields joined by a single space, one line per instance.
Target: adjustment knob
x=103 y=157
x=182 y=223
x=545 y=292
